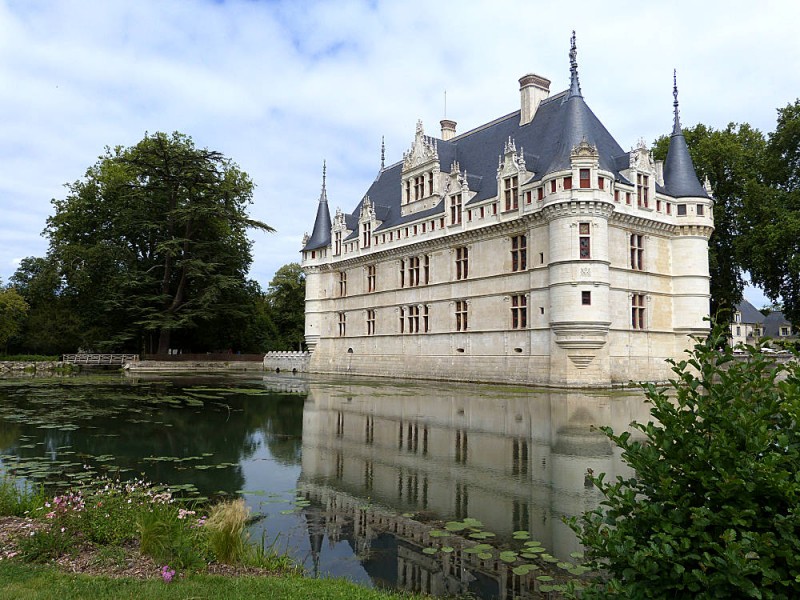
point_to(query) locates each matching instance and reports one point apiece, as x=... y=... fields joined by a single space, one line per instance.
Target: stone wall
x=295 y=362
x=14 y=367
x=145 y=366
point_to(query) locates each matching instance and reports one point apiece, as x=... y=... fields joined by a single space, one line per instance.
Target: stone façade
x=531 y=249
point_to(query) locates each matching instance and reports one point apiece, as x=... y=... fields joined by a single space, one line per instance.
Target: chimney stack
x=448 y=129
x=533 y=89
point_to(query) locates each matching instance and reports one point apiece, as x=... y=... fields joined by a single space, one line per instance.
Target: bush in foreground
x=713 y=510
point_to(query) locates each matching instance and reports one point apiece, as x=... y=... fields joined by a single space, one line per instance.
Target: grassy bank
x=34 y=582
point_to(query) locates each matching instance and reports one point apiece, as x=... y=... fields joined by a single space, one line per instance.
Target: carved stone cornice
x=643 y=223
x=571 y=207
x=447 y=240
x=695 y=230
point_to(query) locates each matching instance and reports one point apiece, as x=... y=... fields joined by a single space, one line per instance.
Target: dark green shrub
x=713 y=510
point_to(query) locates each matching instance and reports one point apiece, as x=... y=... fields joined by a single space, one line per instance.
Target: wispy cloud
x=280 y=86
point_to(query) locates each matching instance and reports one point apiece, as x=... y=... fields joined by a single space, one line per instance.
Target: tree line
x=149 y=251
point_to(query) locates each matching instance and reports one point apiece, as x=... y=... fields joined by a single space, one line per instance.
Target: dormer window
x=510 y=191
x=643 y=182
x=455 y=209
x=366 y=234
x=337 y=243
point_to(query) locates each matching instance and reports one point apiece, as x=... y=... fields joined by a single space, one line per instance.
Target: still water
x=351 y=475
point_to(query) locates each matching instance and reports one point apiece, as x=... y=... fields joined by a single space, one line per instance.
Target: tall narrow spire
x=676 y=126
x=383 y=153
x=574 y=84
x=323 y=197
x=680 y=178
x=321 y=234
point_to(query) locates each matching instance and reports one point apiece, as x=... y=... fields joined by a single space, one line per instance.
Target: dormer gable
x=367 y=222
x=642 y=172
x=339 y=231
x=511 y=173
x=420 y=179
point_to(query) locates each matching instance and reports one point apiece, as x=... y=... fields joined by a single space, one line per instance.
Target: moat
x=350 y=476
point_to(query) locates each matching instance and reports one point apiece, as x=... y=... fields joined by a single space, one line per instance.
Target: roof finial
x=383 y=153
x=676 y=126
x=575 y=86
x=324 y=195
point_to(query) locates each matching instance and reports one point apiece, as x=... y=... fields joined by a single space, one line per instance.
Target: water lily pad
x=524 y=569
x=429 y=550
x=447 y=549
x=521 y=535
x=508 y=556
x=485 y=555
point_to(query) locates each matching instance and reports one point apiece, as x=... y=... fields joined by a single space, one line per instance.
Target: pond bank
x=29 y=366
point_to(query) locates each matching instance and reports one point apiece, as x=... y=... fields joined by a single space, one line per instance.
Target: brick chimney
x=533 y=89
x=448 y=129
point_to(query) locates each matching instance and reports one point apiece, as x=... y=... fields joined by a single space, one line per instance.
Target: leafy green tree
x=713 y=510
x=286 y=300
x=12 y=314
x=730 y=158
x=52 y=325
x=153 y=242
x=770 y=231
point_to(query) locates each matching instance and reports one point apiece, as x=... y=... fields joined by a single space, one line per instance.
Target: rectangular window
x=669 y=208
x=616 y=195
x=342 y=284
x=370 y=322
x=784 y=331
x=637 y=311
x=601 y=183
x=528 y=197
x=540 y=193
x=402 y=273
x=584 y=240
x=342 y=324
x=402 y=320
x=553 y=186
x=462 y=262
x=455 y=209
x=430 y=183
x=426 y=269
x=568 y=182
x=627 y=198
x=366 y=235
x=658 y=204
x=483 y=211
x=413 y=271
x=408 y=190
x=461 y=315
x=700 y=212
x=510 y=192
x=586 y=181
x=681 y=210
x=586 y=298
x=519 y=253
x=371 y=272
x=419 y=187
x=413 y=318
x=642 y=191
x=519 y=311
x=425 y=319
x=494 y=208
x=637 y=252
x=337 y=243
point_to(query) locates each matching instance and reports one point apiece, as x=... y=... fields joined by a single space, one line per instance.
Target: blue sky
x=280 y=86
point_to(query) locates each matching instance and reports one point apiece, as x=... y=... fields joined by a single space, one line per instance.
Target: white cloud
x=280 y=86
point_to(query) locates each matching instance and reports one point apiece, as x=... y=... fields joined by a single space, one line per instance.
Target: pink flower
x=167 y=574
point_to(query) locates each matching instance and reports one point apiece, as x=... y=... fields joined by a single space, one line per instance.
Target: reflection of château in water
x=513 y=460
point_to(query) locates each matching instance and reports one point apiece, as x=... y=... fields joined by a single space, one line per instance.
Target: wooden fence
x=205 y=357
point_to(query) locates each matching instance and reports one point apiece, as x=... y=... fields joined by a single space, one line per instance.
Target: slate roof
x=680 y=178
x=561 y=122
x=321 y=234
x=773 y=322
x=750 y=314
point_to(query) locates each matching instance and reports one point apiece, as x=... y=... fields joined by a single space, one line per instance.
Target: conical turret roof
x=680 y=178
x=321 y=234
